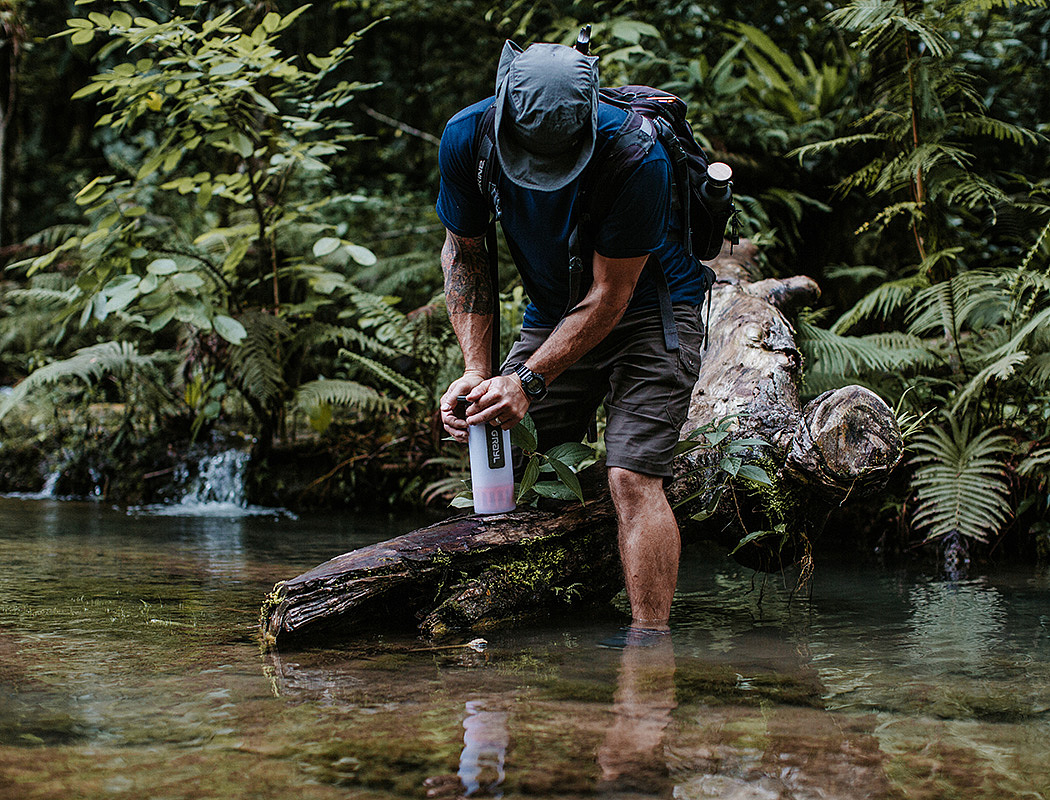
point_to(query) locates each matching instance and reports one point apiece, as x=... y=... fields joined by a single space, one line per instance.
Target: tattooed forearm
x=468 y=289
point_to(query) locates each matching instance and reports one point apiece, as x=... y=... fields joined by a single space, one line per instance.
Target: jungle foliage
x=234 y=217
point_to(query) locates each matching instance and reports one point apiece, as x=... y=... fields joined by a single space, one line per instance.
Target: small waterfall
x=216 y=491
x=220 y=480
x=47 y=492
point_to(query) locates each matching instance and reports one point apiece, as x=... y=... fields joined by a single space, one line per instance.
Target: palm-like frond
x=357 y=396
x=833 y=353
x=961 y=481
x=88 y=365
x=880 y=303
x=256 y=362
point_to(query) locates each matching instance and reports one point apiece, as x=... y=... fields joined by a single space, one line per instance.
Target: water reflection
x=632 y=757
x=485 y=739
x=127 y=658
x=958 y=625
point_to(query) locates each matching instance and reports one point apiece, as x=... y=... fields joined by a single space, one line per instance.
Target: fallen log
x=473 y=572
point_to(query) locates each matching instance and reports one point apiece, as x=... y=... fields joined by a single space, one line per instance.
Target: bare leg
x=649 y=545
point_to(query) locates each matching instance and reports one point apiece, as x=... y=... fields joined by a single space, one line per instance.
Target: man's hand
x=464 y=385
x=499 y=400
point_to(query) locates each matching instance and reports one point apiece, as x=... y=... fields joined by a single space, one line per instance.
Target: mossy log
x=470 y=572
x=473 y=572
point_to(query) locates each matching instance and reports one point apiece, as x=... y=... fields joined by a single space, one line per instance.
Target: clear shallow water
x=129 y=667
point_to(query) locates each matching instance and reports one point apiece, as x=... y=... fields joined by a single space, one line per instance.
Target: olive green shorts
x=645 y=389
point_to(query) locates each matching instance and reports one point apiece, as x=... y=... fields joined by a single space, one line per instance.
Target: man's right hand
x=456 y=427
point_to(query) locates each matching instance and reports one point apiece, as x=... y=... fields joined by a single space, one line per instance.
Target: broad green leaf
x=528 y=479
x=326 y=245
x=100 y=19
x=523 y=435
x=229 y=329
x=731 y=464
x=362 y=255
x=754 y=536
x=122 y=19
x=242 y=144
x=226 y=68
x=271 y=21
x=554 y=490
x=162 y=266
x=571 y=453
x=187 y=280
x=90 y=193
x=753 y=473
x=162 y=319
x=568 y=477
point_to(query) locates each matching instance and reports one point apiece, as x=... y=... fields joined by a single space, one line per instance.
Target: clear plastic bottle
x=491 y=468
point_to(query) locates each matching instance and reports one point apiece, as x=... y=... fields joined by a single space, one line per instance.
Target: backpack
x=652 y=114
x=705 y=199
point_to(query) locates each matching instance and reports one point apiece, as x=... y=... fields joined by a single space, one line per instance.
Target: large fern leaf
x=848 y=356
x=961 y=484
x=87 y=365
x=256 y=362
x=355 y=395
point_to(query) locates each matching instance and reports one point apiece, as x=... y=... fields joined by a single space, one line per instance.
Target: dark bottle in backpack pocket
x=716 y=195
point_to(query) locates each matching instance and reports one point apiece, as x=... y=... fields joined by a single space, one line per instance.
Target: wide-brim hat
x=546 y=114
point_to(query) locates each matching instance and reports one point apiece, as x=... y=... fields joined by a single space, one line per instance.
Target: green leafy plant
x=221 y=227
x=961 y=484
x=733 y=459
x=561 y=463
x=563 y=460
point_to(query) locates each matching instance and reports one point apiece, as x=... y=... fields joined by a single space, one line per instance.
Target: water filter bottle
x=491 y=470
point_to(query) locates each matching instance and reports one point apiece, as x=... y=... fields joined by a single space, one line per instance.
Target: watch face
x=533 y=385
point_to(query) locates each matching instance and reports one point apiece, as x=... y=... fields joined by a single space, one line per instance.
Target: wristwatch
x=532 y=382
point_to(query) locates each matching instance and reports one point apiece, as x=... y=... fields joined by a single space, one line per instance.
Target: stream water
x=130 y=668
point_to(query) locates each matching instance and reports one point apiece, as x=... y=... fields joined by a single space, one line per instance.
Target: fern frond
x=1038 y=370
x=47 y=298
x=87 y=365
x=320 y=333
x=852 y=355
x=966 y=299
x=256 y=361
x=1033 y=327
x=357 y=396
x=833 y=144
x=414 y=391
x=880 y=303
x=1003 y=131
x=961 y=482
x=1000 y=369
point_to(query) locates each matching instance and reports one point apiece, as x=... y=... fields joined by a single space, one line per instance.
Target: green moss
x=537 y=570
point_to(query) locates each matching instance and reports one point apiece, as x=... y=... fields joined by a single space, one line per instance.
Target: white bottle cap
x=720 y=173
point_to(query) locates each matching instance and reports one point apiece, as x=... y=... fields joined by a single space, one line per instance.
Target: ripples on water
x=129 y=667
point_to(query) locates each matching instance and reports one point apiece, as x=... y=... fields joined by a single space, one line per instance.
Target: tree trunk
x=473 y=572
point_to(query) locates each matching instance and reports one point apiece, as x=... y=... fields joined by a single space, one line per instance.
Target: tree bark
x=474 y=572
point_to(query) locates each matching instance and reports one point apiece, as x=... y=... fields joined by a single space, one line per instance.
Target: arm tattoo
x=468 y=289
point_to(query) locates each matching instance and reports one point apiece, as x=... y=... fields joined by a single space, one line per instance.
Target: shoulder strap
x=485 y=147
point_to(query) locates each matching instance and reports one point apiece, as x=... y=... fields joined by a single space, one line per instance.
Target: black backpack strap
x=485 y=147
x=575 y=268
x=663 y=294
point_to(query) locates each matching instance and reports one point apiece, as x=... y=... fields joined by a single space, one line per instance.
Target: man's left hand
x=499 y=400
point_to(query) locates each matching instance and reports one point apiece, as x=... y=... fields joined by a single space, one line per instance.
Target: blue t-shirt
x=537 y=224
